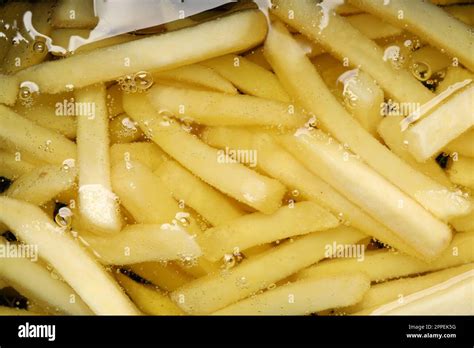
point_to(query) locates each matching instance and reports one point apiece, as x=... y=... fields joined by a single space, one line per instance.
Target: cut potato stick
x=464 y=13
x=123 y=130
x=196 y=74
x=390 y=131
x=311 y=48
x=109 y=63
x=257 y=228
x=141 y=243
x=256 y=56
x=148 y=154
x=464 y=223
x=114 y=100
x=42 y=184
x=300 y=78
x=277 y=162
x=248 y=77
x=429 y=135
x=11 y=311
x=9 y=87
x=74 y=14
x=304 y=297
x=208 y=202
x=373 y=27
x=229 y=177
x=379 y=294
x=11 y=168
x=461 y=171
x=148 y=299
x=36 y=283
x=413 y=224
x=449 y=2
x=344 y=41
x=219 y=109
x=73 y=263
x=386 y=264
x=97 y=203
x=167 y=276
x=454 y=75
x=463 y=144
x=33 y=139
x=450 y=35
x=347 y=9
x=259 y=272
x=254 y=251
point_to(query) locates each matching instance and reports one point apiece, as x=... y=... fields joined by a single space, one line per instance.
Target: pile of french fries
x=311 y=157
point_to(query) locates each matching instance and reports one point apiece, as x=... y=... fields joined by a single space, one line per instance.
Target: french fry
x=219 y=109
x=393 y=290
x=390 y=131
x=461 y=171
x=109 y=63
x=260 y=272
x=387 y=264
x=148 y=299
x=11 y=168
x=9 y=311
x=141 y=243
x=253 y=251
x=454 y=74
x=73 y=14
x=114 y=100
x=450 y=35
x=429 y=135
x=347 y=9
x=232 y=178
x=196 y=74
x=311 y=48
x=257 y=228
x=464 y=13
x=322 y=155
x=462 y=145
x=344 y=41
x=248 y=77
x=9 y=87
x=148 y=154
x=208 y=202
x=256 y=56
x=372 y=26
x=34 y=281
x=73 y=263
x=123 y=130
x=301 y=80
x=304 y=297
x=167 y=276
x=97 y=203
x=39 y=142
x=449 y=2
x=464 y=223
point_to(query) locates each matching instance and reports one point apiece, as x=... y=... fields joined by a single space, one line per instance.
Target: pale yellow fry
x=199 y=75
x=449 y=34
x=37 y=141
x=304 y=297
x=463 y=144
x=390 y=131
x=97 y=203
x=347 y=9
x=148 y=299
x=248 y=77
x=372 y=26
x=464 y=223
x=464 y=13
x=219 y=109
x=11 y=168
x=12 y=11
x=461 y=171
x=256 y=56
x=123 y=130
x=386 y=264
x=9 y=87
x=453 y=75
x=148 y=154
x=74 y=14
x=204 y=199
x=73 y=263
x=257 y=228
x=354 y=179
x=9 y=311
x=428 y=136
x=301 y=79
x=234 y=179
x=141 y=243
x=114 y=100
x=167 y=276
x=340 y=38
x=109 y=63
x=259 y=272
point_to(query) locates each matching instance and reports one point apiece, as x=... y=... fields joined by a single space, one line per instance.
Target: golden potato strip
x=385 y=264
x=397 y=289
x=222 y=172
x=464 y=13
x=148 y=299
x=141 y=243
x=464 y=223
x=33 y=139
x=311 y=48
x=9 y=87
x=42 y=184
x=166 y=276
x=73 y=263
x=372 y=26
x=97 y=203
x=304 y=297
x=259 y=272
x=256 y=56
x=454 y=74
x=248 y=77
x=277 y=162
x=354 y=179
x=148 y=154
x=449 y=34
x=449 y=2
x=123 y=130
x=199 y=75
x=340 y=38
x=110 y=63
x=300 y=78
x=390 y=131
x=11 y=168
x=219 y=109
x=257 y=228
x=36 y=283
x=429 y=135
x=461 y=171
x=114 y=100
x=347 y=9
x=74 y=14
x=463 y=145
x=9 y=311
x=204 y=199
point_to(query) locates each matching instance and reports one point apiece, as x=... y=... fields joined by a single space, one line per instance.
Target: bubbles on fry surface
x=421 y=71
x=137 y=82
x=28 y=90
x=64 y=218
